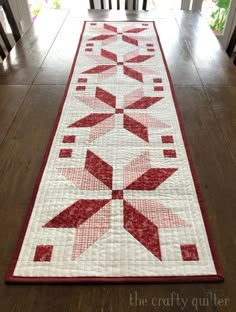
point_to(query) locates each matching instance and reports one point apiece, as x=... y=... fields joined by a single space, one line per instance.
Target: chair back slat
x=132 y=6
x=5 y=38
x=12 y=23
x=11 y=20
x=144 y=5
x=92 y=7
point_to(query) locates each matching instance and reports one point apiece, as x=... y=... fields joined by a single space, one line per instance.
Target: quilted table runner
x=116 y=199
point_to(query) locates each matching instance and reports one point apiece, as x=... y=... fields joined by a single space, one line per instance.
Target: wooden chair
x=116 y=4
x=15 y=31
x=231 y=45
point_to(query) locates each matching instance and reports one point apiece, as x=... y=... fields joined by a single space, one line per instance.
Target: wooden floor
x=30 y=94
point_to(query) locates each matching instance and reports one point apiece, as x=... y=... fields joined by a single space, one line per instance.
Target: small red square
x=158 y=88
x=80 y=88
x=145 y=24
x=93 y=24
x=43 y=253
x=120 y=63
x=119 y=111
x=169 y=153
x=157 y=80
x=69 y=139
x=65 y=153
x=189 y=252
x=88 y=50
x=117 y=194
x=82 y=80
x=150 y=50
x=149 y=45
x=167 y=139
x=90 y=44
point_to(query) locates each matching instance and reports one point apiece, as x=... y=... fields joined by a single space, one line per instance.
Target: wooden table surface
x=32 y=83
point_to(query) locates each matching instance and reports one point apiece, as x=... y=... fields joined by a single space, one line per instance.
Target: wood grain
x=223 y=105
x=213 y=65
x=60 y=56
x=11 y=99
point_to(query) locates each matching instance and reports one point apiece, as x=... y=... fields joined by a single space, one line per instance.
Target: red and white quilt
x=116 y=199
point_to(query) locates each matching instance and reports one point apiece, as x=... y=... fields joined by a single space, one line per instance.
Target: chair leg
x=11 y=20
